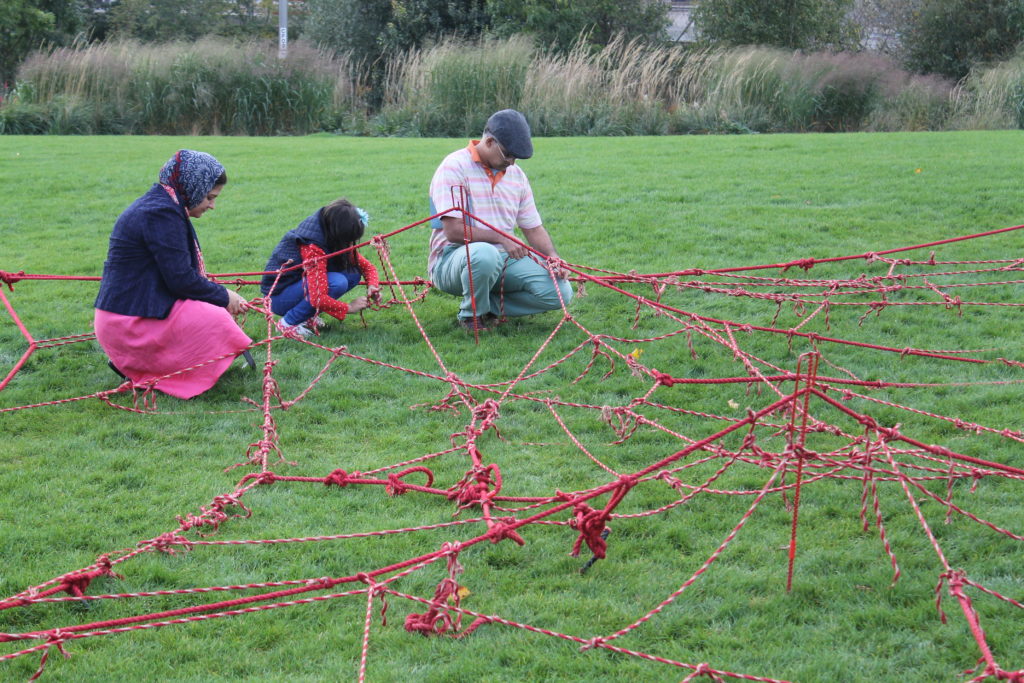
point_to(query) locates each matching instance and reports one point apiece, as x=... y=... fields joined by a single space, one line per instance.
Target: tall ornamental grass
x=202 y=88
x=769 y=90
x=993 y=98
x=448 y=89
x=629 y=88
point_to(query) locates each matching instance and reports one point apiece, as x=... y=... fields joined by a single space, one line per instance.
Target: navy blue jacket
x=152 y=260
x=309 y=231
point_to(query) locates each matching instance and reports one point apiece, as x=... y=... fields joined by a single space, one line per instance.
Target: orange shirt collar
x=494 y=176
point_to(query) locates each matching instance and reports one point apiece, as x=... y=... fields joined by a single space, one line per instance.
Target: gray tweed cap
x=512 y=131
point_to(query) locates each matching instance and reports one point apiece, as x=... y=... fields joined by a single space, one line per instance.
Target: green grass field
x=82 y=479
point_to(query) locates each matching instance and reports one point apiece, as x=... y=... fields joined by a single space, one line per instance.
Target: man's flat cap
x=510 y=128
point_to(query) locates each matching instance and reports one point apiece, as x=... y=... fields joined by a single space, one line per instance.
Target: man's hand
x=558 y=270
x=514 y=249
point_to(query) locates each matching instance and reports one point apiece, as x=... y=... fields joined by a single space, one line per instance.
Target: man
x=507 y=279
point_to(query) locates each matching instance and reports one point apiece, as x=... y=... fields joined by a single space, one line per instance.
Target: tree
x=883 y=23
x=559 y=24
x=371 y=28
x=96 y=18
x=352 y=26
x=791 y=24
x=23 y=27
x=165 y=20
x=949 y=37
x=414 y=22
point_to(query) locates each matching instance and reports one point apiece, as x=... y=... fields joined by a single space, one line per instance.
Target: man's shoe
x=472 y=324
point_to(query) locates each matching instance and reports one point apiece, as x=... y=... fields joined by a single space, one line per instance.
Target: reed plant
x=450 y=88
x=771 y=90
x=207 y=87
x=216 y=86
x=993 y=98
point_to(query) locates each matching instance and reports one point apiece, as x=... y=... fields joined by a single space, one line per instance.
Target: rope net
x=643 y=438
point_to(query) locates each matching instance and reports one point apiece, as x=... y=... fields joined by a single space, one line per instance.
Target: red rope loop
x=397 y=487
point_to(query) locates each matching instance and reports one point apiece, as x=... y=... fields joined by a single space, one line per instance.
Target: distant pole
x=282 y=29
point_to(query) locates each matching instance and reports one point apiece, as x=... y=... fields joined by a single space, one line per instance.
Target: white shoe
x=300 y=330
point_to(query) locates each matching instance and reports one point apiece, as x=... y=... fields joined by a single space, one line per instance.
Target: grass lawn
x=941 y=327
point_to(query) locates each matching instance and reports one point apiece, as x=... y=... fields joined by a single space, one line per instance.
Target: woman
x=298 y=294
x=157 y=315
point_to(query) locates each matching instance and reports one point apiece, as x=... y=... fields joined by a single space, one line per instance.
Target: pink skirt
x=178 y=351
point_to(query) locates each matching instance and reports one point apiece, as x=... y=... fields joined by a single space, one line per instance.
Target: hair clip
x=364 y=217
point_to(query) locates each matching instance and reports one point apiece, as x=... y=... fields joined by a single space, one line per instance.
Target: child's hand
x=373 y=293
x=358 y=304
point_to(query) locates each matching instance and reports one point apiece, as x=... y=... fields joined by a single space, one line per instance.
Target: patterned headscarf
x=191 y=174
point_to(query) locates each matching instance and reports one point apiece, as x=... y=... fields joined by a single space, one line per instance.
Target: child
x=299 y=294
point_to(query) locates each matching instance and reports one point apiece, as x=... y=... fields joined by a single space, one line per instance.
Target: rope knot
x=10 y=278
x=76 y=583
x=805 y=264
x=597 y=641
x=165 y=543
x=339 y=477
x=503 y=529
x=486 y=413
x=395 y=486
x=664 y=379
x=106 y=567
x=590 y=523
x=703 y=669
x=667 y=477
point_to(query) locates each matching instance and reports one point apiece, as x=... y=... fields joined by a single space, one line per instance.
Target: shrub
x=17 y=118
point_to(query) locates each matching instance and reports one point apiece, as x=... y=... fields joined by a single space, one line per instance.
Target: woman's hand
x=358 y=304
x=235 y=302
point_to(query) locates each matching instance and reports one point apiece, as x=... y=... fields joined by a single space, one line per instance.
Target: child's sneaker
x=295 y=331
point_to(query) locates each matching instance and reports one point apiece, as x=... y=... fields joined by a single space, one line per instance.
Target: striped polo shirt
x=502 y=199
